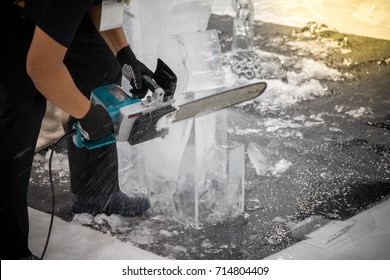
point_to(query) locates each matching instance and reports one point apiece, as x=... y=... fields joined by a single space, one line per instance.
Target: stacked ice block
x=192 y=174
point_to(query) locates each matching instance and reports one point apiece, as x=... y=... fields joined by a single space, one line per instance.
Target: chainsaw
x=139 y=119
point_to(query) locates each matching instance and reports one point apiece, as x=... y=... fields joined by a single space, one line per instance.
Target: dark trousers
x=22 y=108
x=92 y=64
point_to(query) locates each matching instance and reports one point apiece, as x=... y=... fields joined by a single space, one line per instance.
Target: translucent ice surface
x=259 y=157
x=131 y=170
x=266 y=161
x=203 y=60
x=175 y=32
x=243 y=25
x=187 y=174
x=204 y=196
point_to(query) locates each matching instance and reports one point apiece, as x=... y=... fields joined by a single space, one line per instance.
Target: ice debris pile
x=59 y=166
x=292 y=78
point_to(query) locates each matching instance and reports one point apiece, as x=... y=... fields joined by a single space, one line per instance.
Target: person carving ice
x=55 y=51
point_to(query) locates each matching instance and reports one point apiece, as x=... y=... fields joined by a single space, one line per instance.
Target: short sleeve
x=58 y=18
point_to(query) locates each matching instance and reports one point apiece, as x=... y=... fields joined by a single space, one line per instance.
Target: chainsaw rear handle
x=163 y=77
x=150 y=83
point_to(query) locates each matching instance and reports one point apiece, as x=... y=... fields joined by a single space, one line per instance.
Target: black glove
x=97 y=123
x=133 y=70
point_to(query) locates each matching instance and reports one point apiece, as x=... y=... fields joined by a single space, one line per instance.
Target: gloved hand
x=97 y=123
x=133 y=70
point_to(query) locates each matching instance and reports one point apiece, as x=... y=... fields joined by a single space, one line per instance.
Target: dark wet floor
x=336 y=173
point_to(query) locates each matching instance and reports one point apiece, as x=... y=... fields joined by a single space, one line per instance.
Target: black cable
x=52 y=204
x=53 y=147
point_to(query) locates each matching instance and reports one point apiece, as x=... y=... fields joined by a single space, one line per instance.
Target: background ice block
x=243 y=25
x=203 y=60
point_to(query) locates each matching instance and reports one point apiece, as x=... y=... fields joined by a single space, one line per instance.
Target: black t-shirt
x=58 y=18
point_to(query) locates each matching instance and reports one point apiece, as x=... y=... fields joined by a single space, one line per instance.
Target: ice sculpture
x=244 y=62
x=192 y=173
x=243 y=25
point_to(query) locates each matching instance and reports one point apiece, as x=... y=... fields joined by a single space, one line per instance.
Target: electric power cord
x=53 y=148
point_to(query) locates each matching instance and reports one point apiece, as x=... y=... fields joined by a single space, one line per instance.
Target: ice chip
x=165 y=122
x=259 y=158
x=359 y=112
x=302 y=229
x=252 y=204
x=281 y=167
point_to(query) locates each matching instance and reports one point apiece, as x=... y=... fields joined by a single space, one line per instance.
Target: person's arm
x=51 y=77
x=117 y=41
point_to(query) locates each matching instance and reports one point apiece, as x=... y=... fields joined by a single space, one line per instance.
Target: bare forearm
x=115 y=38
x=51 y=77
x=56 y=84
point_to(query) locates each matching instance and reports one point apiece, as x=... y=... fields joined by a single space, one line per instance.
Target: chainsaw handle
x=150 y=83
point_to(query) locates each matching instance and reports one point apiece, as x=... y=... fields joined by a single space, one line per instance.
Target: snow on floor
x=363 y=237
x=76 y=242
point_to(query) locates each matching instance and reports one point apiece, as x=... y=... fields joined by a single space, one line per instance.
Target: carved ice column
x=192 y=173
